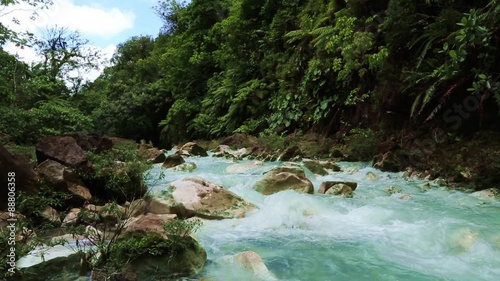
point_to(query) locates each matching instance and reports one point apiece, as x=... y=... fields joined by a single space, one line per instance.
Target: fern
x=496 y=95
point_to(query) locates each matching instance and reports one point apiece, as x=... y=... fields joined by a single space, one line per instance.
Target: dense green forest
x=220 y=67
x=412 y=85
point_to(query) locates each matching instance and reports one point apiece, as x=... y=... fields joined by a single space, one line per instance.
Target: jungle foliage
x=220 y=67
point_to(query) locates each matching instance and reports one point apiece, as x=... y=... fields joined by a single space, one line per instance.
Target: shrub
x=32 y=205
x=24 y=151
x=362 y=143
x=272 y=140
x=117 y=174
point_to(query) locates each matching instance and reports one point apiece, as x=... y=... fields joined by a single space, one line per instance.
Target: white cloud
x=107 y=54
x=25 y=54
x=29 y=56
x=90 y=20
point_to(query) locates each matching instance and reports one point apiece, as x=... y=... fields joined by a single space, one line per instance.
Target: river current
x=438 y=234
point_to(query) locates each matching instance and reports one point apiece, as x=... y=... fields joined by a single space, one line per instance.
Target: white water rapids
x=438 y=234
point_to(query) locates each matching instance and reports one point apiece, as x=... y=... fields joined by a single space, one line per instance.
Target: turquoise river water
x=438 y=234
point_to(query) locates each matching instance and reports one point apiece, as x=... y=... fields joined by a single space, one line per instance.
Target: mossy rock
x=57 y=269
x=162 y=259
x=284 y=178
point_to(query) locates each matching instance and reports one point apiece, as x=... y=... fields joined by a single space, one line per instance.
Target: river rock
x=327 y=185
x=196 y=197
x=149 y=223
x=112 y=213
x=6 y=216
x=66 y=267
x=185 y=167
x=194 y=149
x=125 y=274
x=330 y=166
x=284 y=178
x=487 y=193
x=94 y=143
x=289 y=153
x=370 y=176
x=64 y=179
x=51 y=215
x=441 y=182
x=340 y=189
x=72 y=218
x=62 y=149
x=425 y=186
x=351 y=170
x=221 y=150
x=160 y=206
x=172 y=161
x=388 y=161
x=290 y=167
x=138 y=207
x=152 y=154
x=187 y=262
x=225 y=151
x=465 y=238
x=393 y=189
x=254 y=263
x=315 y=167
x=25 y=177
x=241 y=168
x=405 y=197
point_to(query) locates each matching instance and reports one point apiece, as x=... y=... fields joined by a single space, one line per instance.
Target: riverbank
x=248 y=204
x=467 y=163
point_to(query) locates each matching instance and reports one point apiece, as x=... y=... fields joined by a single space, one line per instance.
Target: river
x=438 y=234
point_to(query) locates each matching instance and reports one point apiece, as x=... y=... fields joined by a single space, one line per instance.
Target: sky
x=105 y=23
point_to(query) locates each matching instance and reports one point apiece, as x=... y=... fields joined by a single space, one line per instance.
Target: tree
x=6 y=7
x=66 y=57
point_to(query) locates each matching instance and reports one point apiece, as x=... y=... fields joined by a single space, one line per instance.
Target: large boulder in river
x=65 y=180
x=197 y=197
x=184 y=257
x=24 y=176
x=284 y=178
x=194 y=149
x=172 y=161
x=62 y=149
x=290 y=168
